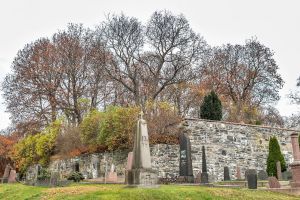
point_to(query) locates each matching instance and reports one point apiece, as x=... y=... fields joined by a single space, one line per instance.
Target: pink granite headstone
x=273 y=182
x=129 y=161
x=6 y=173
x=112 y=175
x=238 y=173
x=12 y=176
x=295 y=166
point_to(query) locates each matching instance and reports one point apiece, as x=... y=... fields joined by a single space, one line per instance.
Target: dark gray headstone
x=226 y=174
x=251 y=178
x=262 y=175
x=287 y=175
x=204 y=178
x=185 y=165
x=204 y=174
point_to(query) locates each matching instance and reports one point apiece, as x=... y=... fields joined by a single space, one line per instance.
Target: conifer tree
x=211 y=107
x=274 y=156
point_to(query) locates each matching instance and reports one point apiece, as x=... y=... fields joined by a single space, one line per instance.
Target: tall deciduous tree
x=31 y=90
x=246 y=74
x=147 y=59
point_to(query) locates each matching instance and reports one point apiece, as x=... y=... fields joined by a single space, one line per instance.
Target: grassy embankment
x=111 y=192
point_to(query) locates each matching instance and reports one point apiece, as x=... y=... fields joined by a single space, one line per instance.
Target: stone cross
x=141 y=173
x=141 y=149
x=278 y=168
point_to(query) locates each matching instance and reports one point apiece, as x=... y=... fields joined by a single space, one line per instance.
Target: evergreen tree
x=274 y=156
x=211 y=107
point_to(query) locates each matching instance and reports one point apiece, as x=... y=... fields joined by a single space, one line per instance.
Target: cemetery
x=142 y=106
x=197 y=161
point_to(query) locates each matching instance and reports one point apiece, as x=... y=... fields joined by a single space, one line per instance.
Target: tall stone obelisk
x=141 y=173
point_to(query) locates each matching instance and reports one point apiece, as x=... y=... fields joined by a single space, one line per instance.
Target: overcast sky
x=276 y=23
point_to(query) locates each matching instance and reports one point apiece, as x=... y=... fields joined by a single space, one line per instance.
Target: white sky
x=276 y=23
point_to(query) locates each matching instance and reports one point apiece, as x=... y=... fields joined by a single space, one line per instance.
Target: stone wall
x=164 y=159
x=227 y=144
x=232 y=145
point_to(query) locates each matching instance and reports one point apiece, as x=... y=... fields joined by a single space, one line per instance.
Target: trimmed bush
x=274 y=156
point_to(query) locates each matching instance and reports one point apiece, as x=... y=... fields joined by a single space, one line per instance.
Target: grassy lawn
x=95 y=191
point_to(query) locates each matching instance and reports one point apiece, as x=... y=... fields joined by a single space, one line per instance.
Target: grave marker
x=185 y=164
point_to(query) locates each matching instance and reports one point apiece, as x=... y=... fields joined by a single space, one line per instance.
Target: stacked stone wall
x=227 y=144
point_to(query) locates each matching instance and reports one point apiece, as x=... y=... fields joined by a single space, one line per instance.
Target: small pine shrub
x=211 y=107
x=274 y=156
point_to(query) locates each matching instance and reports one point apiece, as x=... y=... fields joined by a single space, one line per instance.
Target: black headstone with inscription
x=226 y=174
x=251 y=178
x=185 y=165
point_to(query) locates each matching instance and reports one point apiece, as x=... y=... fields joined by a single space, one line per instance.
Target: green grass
x=111 y=192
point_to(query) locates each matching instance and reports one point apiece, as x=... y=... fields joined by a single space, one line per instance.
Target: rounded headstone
x=262 y=175
x=252 y=179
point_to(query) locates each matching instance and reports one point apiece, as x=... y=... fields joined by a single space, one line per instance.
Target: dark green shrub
x=211 y=107
x=76 y=177
x=274 y=156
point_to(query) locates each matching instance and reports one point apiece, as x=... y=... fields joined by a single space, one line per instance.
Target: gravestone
x=273 y=182
x=128 y=166
x=262 y=175
x=54 y=179
x=95 y=166
x=185 y=164
x=141 y=173
x=287 y=175
x=226 y=174
x=12 y=176
x=198 y=178
x=295 y=166
x=6 y=173
x=278 y=168
x=204 y=174
x=129 y=161
x=112 y=175
x=76 y=167
x=251 y=176
x=238 y=173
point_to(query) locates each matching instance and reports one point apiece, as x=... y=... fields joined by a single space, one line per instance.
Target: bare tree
x=295 y=96
x=149 y=59
x=30 y=90
x=247 y=74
